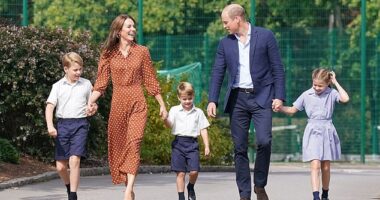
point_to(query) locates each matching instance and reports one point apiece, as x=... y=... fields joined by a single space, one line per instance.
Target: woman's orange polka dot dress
x=128 y=113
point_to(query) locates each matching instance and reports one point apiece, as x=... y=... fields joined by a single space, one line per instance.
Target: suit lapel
x=252 y=47
x=235 y=55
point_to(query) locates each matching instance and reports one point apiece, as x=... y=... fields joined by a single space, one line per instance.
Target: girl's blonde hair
x=322 y=74
x=185 y=88
x=70 y=58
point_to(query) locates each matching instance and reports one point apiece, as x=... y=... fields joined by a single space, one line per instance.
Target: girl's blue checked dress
x=320 y=139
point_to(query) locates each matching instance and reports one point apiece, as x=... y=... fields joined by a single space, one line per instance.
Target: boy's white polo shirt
x=187 y=123
x=70 y=99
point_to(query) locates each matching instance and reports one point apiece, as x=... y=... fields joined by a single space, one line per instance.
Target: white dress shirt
x=187 y=123
x=70 y=99
x=243 y=76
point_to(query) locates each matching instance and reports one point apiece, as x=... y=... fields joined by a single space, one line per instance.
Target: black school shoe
x=191 y=194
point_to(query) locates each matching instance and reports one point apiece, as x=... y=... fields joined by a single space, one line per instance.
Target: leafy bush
x=8 y=153
x=29 y=65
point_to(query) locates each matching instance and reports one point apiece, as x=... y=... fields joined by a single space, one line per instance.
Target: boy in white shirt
x=187 y=123
x=69 y=97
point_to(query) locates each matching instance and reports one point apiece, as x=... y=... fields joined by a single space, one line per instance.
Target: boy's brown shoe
x=260 y=193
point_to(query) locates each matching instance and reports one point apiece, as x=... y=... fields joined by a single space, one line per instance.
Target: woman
x=130 y=67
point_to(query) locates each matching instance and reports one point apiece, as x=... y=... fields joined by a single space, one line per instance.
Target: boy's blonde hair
x=185 y=88
x=70 y=58
x=322 y=74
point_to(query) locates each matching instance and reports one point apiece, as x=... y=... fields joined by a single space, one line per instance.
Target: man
x=256 y=85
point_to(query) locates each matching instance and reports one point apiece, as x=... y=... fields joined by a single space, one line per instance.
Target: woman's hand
x=163 y=113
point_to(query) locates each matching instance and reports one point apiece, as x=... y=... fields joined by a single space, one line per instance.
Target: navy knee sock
x=316 y=195
x=181 y=195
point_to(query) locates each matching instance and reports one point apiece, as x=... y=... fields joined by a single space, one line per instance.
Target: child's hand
x=276 y=105
x=91 y=109
x=52 y=131
x=207 y=152
x=333 y=77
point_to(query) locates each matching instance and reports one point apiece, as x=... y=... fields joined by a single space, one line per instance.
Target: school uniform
x=186 y=126
x=70 y=101
x=320 y=139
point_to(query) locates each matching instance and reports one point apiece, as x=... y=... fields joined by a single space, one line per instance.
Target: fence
x=309 y=35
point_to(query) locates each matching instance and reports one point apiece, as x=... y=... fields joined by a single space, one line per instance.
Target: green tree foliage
x=172 y=17
x=11 y=10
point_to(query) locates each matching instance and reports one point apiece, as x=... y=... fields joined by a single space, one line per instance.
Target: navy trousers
x=242 y=109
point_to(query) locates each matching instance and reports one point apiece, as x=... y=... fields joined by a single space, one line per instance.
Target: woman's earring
x=118 y=35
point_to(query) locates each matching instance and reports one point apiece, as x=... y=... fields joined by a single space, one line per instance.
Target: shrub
x=8 y=153
x=29 y=65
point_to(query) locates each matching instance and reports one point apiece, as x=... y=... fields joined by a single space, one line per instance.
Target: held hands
x=52 y=131
x=276 y=105
x=163 y=113
x=91 y=109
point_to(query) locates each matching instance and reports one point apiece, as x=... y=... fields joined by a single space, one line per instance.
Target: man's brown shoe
x=260 y=193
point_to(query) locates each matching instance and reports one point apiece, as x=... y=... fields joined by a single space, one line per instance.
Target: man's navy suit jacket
x=266 y=68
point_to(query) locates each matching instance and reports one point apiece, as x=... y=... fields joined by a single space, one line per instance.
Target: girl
x=320 y=140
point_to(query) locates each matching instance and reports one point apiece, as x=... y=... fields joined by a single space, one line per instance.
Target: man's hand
x=211 y=109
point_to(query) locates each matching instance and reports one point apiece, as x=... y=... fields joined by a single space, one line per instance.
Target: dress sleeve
x=104 y=73
x=150 y=81
x=300 y=102
x=336 y=95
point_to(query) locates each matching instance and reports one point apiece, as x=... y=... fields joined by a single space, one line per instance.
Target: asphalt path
x=286 y=182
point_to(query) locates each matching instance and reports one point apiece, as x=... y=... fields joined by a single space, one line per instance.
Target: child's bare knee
x=193 y=173
x=61 y=166
x=181 y=174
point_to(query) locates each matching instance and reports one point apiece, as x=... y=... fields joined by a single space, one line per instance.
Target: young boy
x=187 y=123
x=70 y=98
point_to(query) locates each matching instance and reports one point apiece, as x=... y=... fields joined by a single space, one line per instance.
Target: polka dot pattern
x=128 y=113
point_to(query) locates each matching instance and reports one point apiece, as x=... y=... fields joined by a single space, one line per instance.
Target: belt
x=246 y=90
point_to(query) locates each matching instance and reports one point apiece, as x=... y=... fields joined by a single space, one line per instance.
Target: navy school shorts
x=71 y=138
x=185 y=154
